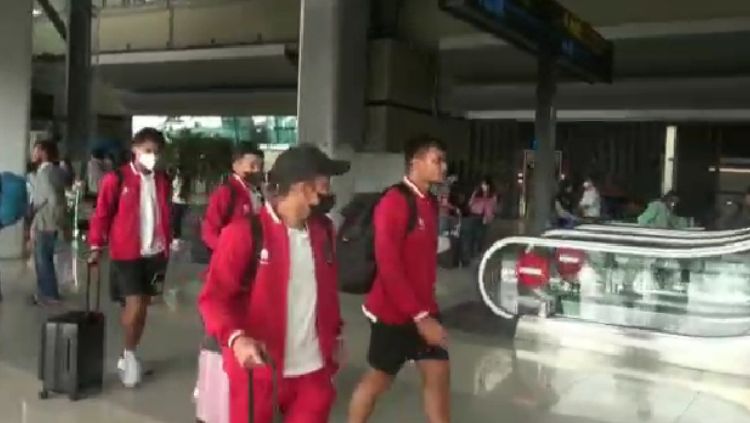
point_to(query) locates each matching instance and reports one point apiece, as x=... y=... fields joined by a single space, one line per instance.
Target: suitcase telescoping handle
x=276 y=413
x=93 y=268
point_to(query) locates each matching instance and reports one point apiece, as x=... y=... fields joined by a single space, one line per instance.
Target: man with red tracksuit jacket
x=285 y=323
x=241 y=192
x=132 y=215
x=401 y=305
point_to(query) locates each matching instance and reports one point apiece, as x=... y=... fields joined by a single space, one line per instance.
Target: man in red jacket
x=132 y=215
x=284 y=323
x=401 y=305
x=241 y=192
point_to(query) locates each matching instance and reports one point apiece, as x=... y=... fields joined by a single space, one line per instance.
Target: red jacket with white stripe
x=121 y=228
x=404 y=286
x=228 y=303
x=217 y=216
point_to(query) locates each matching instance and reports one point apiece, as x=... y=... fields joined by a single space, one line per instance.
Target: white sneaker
x=129 y=369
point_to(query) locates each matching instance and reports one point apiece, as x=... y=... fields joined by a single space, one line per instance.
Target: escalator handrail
x=667 y=253
x=620 y=237
x=673 y=233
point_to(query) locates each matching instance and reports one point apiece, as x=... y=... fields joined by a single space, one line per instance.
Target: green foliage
x=200 y=157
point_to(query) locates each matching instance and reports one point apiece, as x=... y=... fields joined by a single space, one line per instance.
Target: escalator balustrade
x=695 y=296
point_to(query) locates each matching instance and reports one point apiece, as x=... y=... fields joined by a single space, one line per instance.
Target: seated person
x=660 y=213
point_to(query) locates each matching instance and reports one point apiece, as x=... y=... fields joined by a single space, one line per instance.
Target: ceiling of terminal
x=686 y=41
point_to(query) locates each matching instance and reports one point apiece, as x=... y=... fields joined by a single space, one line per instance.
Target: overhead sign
x=537 y=25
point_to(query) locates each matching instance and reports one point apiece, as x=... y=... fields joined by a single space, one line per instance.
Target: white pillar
x=15 y=102
x=332 y=79
x=670 y=147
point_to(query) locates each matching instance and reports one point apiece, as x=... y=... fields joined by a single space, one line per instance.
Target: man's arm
x=223 y=301
x=390 y=222
x=212 y=220
x=43 y=189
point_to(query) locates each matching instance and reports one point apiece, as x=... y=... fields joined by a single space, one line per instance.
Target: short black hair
x=149 y=134
x=49 y=148
x=243 y=148
x=419 y=144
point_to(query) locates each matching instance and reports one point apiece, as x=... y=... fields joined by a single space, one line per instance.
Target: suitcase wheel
x=74 y=396
x=43 y=394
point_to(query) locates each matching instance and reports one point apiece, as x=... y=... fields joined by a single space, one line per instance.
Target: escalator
x=625 y=289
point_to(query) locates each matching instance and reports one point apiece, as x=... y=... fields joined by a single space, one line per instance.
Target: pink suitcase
x=212 y=389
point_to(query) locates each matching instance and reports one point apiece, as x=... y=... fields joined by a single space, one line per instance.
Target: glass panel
x=695 y=297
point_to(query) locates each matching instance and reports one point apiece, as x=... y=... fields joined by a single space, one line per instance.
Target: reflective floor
x=493 y=380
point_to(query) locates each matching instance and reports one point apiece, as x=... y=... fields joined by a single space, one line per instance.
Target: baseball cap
x=304 y=163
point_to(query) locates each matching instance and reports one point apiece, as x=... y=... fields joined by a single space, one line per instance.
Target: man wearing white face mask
x=133 y=216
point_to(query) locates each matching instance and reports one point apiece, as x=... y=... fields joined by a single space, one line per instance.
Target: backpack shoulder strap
x=411 y=201
x=256 y=227
x=231 y=204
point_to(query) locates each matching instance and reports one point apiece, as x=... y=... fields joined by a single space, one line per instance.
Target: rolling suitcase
x=71 y=360
x=212 y=388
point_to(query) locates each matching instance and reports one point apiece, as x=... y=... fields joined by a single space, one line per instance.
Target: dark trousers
x=473 y=232
x=44 y=264
x=178 y=214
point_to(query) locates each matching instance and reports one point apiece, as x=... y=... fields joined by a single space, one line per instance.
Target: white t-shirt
x=151 y=244
x=591 y=203
x=302 y=354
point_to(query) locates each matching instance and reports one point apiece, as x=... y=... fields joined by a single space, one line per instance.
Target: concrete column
x=332 y=79
x=544 y=156
x=78 y=76
x=15 y=102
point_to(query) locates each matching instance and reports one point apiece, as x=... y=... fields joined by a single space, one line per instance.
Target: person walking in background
x=48 y=209
x=181 y=183
x=565 y=205
x=734 y=214
x=590 y=205
x=449 y=214
x=271 y=298
x=132 y=215
x=239 y=196
x=401 y=306
x=96 y=168
x=482 y=207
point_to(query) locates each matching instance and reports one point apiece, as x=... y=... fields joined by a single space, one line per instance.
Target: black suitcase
x=71 y=359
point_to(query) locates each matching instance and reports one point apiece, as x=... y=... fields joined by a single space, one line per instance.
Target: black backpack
x=200 y=252
x=355 y=243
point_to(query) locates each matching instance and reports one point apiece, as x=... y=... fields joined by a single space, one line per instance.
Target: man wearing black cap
x=284 y=322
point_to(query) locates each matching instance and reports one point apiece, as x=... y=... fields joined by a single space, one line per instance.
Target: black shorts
x=140 y=277
x=393 y=345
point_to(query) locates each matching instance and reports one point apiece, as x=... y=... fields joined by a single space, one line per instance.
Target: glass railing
x=646 y=240
x=672 y=233
x=703 y=291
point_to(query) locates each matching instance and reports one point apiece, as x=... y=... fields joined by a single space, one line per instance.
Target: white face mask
x=147 y=160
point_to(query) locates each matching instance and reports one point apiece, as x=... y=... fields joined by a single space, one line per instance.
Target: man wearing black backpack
x=401 y=305
x=238 y=196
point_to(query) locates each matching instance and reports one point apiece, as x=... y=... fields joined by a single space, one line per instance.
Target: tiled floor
x=493 y=380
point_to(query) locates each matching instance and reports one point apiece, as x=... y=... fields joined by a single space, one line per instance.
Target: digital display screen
x=534 y=25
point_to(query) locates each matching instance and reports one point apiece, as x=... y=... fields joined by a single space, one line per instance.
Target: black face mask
x=254 y=178
x=325 y=204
